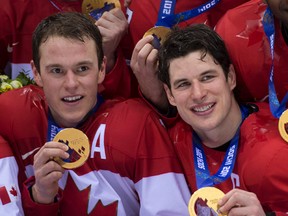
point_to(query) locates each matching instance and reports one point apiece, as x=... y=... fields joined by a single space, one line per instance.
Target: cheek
x=92 y=87
x=180 y=100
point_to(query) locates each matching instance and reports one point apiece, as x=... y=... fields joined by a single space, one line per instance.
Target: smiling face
x=69 y=75
x=200 y=91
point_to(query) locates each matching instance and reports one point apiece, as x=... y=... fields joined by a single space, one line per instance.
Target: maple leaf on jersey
x=75 y=202
x=13 y=191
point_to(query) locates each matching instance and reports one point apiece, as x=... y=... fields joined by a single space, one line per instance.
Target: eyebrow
x=176 y=82
x=78 y=64
x=209 y=71
x=87 y=62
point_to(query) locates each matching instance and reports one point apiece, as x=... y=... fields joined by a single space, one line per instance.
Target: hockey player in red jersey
x=131 y=168
x=19 y=18
x=251 y=51
x=10 y=196
x=236 y=148
x=143 y=15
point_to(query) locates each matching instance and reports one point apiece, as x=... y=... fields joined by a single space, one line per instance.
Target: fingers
x=112 y=25
x=49 y=151
x=240 y=202
x=47 y=171
x=113 y=21
x=142 y=53
x=144 y=65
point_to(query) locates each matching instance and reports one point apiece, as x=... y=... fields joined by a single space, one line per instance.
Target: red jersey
x=132 y=168
x=143 y=15
x=261 y=161
x=242 y=30
x=18 y=20
x=10 y=197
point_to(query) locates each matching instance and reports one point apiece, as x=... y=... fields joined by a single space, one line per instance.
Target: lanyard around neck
x=276 y=107
x=202 y=173
x=167 y=18
x=54 y=128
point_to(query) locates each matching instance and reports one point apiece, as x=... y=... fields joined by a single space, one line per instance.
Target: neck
x=225 y=132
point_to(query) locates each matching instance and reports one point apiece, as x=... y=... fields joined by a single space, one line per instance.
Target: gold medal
x=159 y=33
x=205 y=202
x=95 y=8
x=283 y=125
x=79 y=147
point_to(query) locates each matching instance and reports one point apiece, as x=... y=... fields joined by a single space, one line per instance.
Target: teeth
x=70 y=99
x=203 y=108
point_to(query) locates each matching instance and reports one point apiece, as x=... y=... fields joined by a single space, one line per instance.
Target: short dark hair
x=72 y=25
x=182 y=41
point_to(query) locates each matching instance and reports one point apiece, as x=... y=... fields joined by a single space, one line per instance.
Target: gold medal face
x=95 y=8
x=159 y=33
x=283 y=125
x=204 y=202
x=79 y=147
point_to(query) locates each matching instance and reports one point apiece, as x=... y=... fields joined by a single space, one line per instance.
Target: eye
x=207 y=78
x=82 y=69
x=182 y=84
x=56 y=70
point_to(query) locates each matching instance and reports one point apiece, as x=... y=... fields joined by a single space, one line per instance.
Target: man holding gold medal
x=19 y=18
x=220 y=143
x=83 y=155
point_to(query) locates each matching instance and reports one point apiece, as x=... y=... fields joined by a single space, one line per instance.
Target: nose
x=71 y=80
x=198 y=92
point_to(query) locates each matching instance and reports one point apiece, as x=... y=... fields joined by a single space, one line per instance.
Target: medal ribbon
x=55 y=5
x=53 y=127
x=167 y=19
x=276 y=107
x=202 y=173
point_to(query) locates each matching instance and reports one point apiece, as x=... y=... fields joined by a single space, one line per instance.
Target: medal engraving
x=95 y=8
x=204 y=202
x=79 y=147
x=159 y=33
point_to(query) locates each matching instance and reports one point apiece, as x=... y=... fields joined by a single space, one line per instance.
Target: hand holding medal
x=95 y=8
x=204 y=202
x=79 y=147
x=159 y=33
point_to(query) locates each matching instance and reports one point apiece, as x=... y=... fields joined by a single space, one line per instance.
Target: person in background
x=221 y=143
x=18 y=19
x=10 y=196
x=131 y=169
x=143 y=15
x=260 y=63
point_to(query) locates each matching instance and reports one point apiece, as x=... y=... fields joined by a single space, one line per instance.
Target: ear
x=169 y=95
x=231 y=77
x=36 y=74
x=102 y=71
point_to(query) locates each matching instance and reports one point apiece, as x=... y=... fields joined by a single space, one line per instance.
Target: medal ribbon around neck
x=53 y=127
x=276 y=107
x=168 y=19
x=202 y=173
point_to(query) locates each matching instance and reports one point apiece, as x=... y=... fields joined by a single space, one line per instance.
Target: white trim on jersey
x=10 y=197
